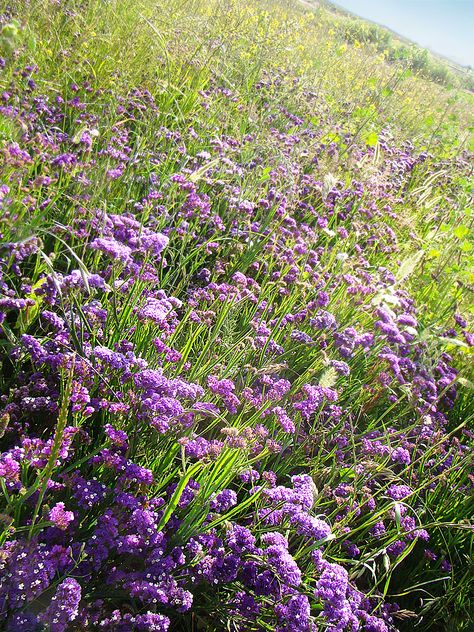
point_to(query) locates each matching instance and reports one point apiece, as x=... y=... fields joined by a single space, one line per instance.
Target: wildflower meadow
x=236 y=324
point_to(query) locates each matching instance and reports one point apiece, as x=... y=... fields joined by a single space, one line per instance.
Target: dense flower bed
x=220 y=406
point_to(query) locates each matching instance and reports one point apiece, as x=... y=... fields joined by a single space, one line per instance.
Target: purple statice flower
x=274 y=538
x=401 y=455
x=240 y=539
x=430 y=555
x=469 y=338
x=35 y=349
x=323 y=320
x=134 y=473
x=249 y=476
x=151 y=622
x=117 y=437
x=378 y=530
x=269 y=477
x=284 y=420
x=53 y=319
x=201 y=448
x=341 y=367
x=351 y=548
x=157 y=310
x=396 y=548
x=323 y=299
x=282 y=563
x=104 y=537
x=446 y=566
x=398 y=492
x=60 y=517
x=408 y=524
x=87 y=492
x=113 y=359
x=339 y=600
x=15 y=303
x=245 y=605
x=115 y=173
x=309 y=526
x=278 y=390
x=112 y=248
x=300 y=497
x=223 y=501
x=333 y=582
x=301 y=336
x=9 y=468
x=22 y=622
x=408 y=320
x=390 y=329
x=315 y=397
x=239 y=279
x=263 y=339
x=154 y=243
x=373 y=624
x=64 y=161
x=64 y=606
x=80 y=398
x=188 y=494
x=152 y=380
x=294 y=616
x=161 y=411
x=76 y=280
x=225 y=389
x=24 y=572
x=374 y=447
x=460 y=320
x=346 y=341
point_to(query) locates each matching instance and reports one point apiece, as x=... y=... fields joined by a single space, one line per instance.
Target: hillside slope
x=236 y=324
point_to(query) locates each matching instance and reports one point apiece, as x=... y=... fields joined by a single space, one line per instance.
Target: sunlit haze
x=443 y=26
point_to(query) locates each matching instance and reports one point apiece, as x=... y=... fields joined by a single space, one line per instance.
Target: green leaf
x=27 y=316
x=266 y=173
x=461 y=231
x=372 y=139
x=173 y=503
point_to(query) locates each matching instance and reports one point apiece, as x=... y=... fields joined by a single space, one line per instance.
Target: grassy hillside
x=399 y=49
x=236 y=324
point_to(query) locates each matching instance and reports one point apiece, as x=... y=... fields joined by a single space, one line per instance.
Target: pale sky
x=443 y=26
